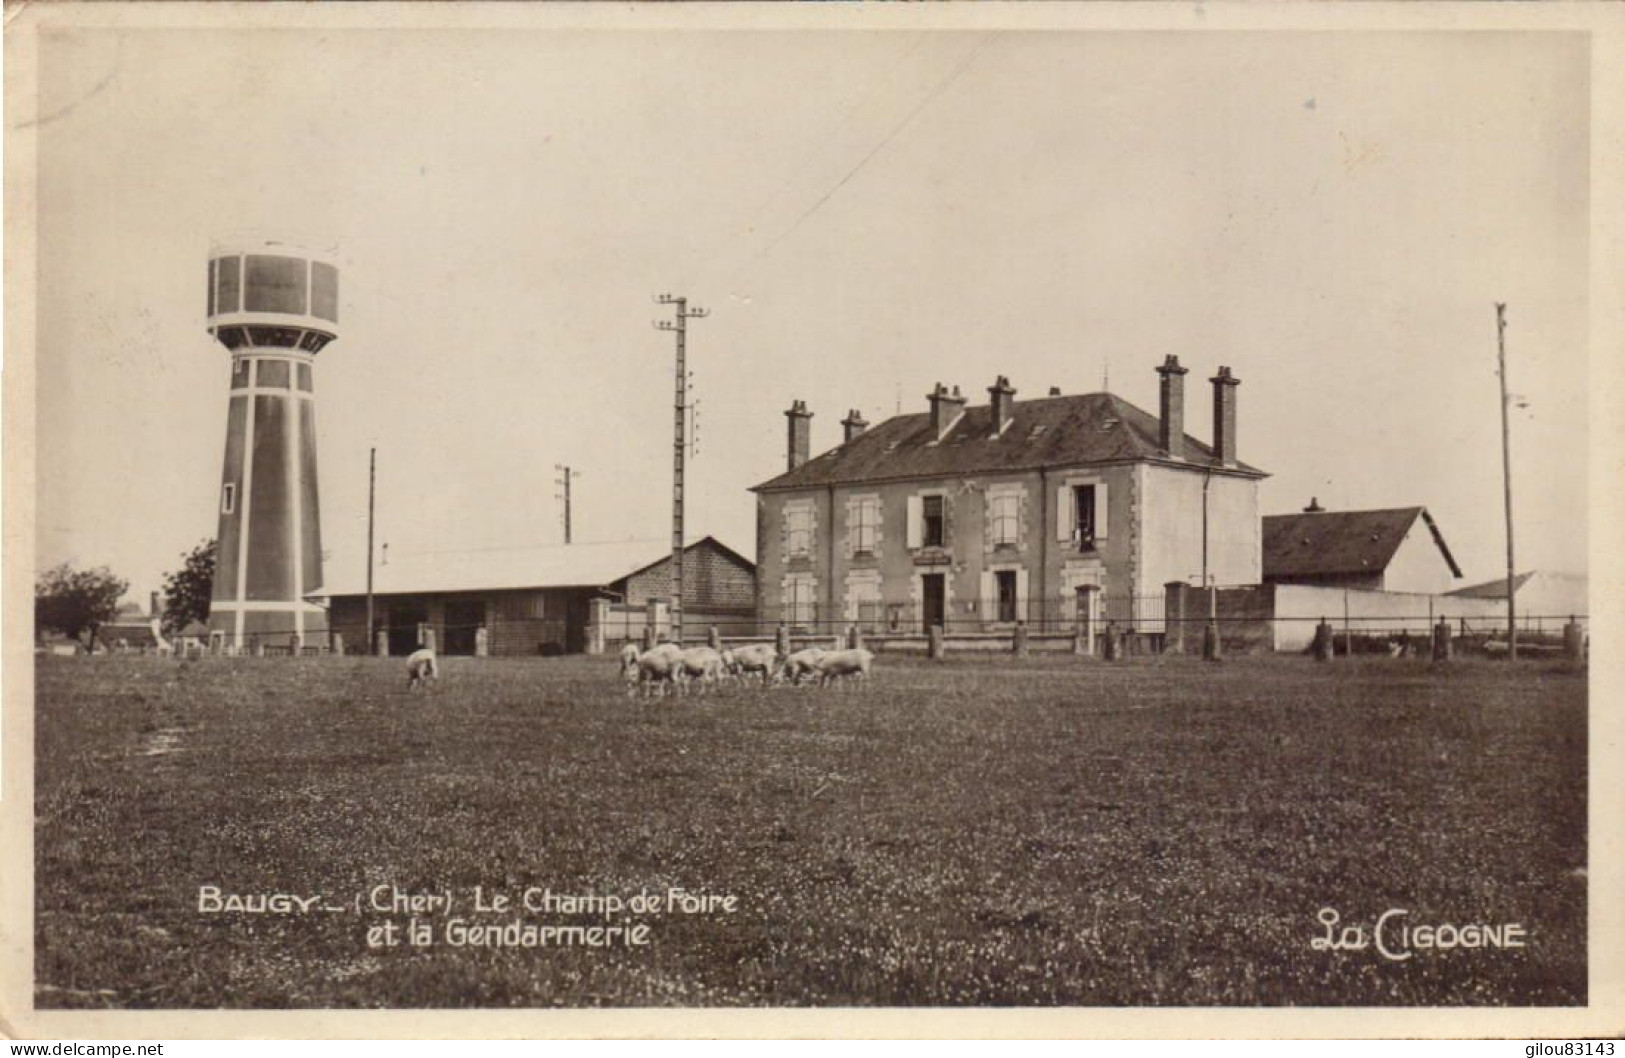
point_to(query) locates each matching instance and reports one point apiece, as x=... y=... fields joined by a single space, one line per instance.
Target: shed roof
x=1497 y=588
x=589 y=565
x=1332 y=542
x=1051 y=431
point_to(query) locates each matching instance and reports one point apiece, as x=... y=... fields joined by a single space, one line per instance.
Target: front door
x=935 y=595
x=405 y=623
x=463 y=620
x=1005 y=579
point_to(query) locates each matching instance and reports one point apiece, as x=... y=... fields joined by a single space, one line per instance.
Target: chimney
x=1055 y=391
x=800 y=446
x=945 y=408
x=1002 y=399
x=1224 y=416
x=852 y=425
x=1314 y=506
x=1173 y=406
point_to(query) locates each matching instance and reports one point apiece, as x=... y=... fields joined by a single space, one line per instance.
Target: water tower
x=274 y=306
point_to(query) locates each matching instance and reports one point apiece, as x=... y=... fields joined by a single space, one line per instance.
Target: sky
x=1333 y=216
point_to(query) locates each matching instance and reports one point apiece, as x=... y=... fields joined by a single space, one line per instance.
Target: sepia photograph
x=710 y=507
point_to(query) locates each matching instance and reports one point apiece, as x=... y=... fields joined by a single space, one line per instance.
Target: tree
x=188 y=589
x=74 y=601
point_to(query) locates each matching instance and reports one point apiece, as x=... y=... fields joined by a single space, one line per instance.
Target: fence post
x=1110 y=641
x=1018 y=644
x=482 y=642
x=1441 y=640
x=856 y=638
x=651 y=624
x=597 y=626
x=338 y=643
x=1173 y=617
x=713 y=638
x=1322 y=645
x=428 y=637
x=781 y=640
x=259 y=647
x=1210 y=640
x=1574 y=640
x=934 y=645
x=1086 y=619
x=381 y=645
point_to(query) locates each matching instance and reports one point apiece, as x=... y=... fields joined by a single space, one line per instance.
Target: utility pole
x=679 y=417
x=372 y=490
x=1506 y=471
x=563 y=481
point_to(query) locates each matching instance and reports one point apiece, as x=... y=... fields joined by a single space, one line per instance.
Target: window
x=1006 y=511
x=1083 y=519
x=865 y=522
x=799 y=607
x=932 y=514
x=1081 y=515
x=799 y=521
x=1005 y=581
x=228 y=499
x=863 y=603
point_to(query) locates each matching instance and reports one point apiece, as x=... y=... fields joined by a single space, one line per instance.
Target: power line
x=907 y=120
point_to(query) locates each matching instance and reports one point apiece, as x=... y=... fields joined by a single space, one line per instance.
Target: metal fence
x=1139 y=622
x=1127 y=613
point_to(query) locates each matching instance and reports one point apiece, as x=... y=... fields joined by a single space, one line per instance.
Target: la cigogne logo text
x=1397 y=934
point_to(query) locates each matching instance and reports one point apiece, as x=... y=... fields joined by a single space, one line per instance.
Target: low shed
x=536 y=600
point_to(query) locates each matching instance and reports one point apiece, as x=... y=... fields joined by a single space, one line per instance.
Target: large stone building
x=979 y=517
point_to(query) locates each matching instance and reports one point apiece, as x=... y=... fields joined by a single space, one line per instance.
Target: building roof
x=1048 y=432
x=501 y=569
x=1497 y=589
x=1333 y=542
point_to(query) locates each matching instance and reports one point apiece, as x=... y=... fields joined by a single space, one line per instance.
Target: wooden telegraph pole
x=566 y=475
x=679 y=421
x=1506 y=471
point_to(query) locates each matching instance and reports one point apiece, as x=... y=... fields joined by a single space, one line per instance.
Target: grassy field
x=976 y=831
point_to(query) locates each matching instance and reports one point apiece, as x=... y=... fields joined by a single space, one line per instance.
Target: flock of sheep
x=669 y=668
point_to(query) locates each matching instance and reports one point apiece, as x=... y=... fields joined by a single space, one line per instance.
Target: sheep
x=658 y=666
x=838 y=664
x=701 y=663
x=801 y=663
x=758 y=658
x=421 y=667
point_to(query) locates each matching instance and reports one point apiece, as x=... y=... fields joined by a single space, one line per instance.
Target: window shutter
x=916 y=521
x=1063 y=514
x=1101 y=511
x=1021 y=594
